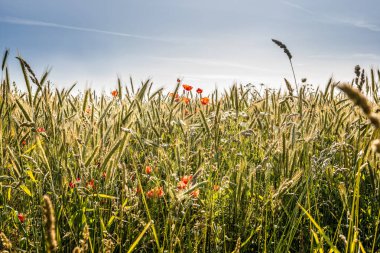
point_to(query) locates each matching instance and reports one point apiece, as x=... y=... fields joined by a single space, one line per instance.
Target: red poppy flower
x=21 y=217
x=115 y=93
x=91 y=183
x=157 y=192
x=216 y=187
x=199 y=91
x=71 y=185
x=148 y=169
x=150 y=194
x=78 y=179
x=195 y=193
x=181 y=185
x=23 y=142
x=205 y=100
x=40 y=130
x=187 y=87
x=186 y=179
x=186 y=100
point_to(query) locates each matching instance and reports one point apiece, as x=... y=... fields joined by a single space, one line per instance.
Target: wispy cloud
x=213 y=77
x=215 y=63
x=297 y=6
x=357 y=23
x=28 y=22
x=365 y=56
x=360 y=24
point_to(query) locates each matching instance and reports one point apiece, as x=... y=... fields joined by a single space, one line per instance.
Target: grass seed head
x=49 y=220
x=357 y=97
x=107 y=245
x=376 y=146
x=357 y=70
x=238 y=246
x=5 y=242
x=77 y=250
x=283 y=46
x=86 y=237
x=375 y=120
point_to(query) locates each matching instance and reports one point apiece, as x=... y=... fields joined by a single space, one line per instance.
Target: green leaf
x=104 y=196
x=320 y=230
x=134 y=244
x=110 y=221
x=30 y=174
x=26 y=190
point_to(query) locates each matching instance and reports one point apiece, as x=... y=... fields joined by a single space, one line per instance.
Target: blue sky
x=207 y=43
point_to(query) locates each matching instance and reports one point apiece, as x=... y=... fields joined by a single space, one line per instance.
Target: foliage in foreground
x=249 y=170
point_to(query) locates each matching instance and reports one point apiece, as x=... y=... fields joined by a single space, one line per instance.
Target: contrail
x=28 y=22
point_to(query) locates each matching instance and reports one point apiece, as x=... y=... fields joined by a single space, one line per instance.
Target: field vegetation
x=248 y=169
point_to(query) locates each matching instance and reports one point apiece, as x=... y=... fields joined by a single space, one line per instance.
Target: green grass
x=275 y=172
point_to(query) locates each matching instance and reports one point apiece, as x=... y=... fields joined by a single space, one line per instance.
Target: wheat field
x=248 y=169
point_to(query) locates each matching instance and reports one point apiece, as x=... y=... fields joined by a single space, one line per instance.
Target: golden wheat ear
x=6 y=244
x=77 y=250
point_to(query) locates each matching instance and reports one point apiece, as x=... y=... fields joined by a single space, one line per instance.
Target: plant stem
x=294 y=75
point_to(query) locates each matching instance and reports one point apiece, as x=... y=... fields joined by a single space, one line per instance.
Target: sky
x=207 y=43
